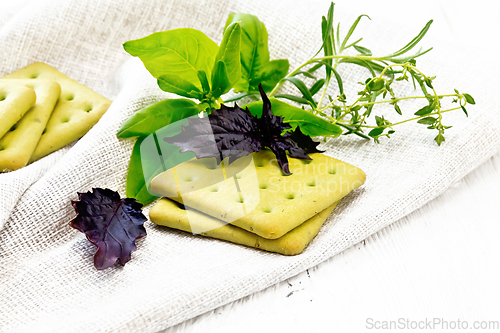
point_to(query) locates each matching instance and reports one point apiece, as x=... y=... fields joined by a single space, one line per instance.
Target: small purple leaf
x=111 y=223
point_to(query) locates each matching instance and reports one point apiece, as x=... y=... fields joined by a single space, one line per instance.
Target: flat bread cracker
x=15 y=101
x=20 y=142
x=77 y=110
x=253 y=194
x=167 y=213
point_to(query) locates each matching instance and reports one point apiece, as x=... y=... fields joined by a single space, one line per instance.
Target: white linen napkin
x=47 y=279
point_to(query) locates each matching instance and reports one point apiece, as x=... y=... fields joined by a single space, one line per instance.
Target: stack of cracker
x=250 y=201
x=42 y=110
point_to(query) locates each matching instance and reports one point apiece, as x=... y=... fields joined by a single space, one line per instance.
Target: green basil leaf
x=136 y=185
x=150 y=157
x=220 y=81
x=269 y=75
x=177 y=85
x=202 y=76
x=150 y=119
x=182 y=52
x=254 y=50
x=229 y=54
x=309 y=124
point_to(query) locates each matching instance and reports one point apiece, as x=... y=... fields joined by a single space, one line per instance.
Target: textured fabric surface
x=47 y=279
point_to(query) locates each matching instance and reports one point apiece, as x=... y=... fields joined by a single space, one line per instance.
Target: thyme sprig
x=385 y=72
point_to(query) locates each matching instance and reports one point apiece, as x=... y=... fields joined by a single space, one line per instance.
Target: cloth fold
x=47 y=279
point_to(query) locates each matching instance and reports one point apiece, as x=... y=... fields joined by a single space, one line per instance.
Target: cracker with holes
x=19 y=143
x=167 y=213
x=77 y=110
x=253 y=194
x=15 y=101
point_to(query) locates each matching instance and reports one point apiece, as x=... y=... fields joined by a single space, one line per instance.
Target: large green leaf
x=270 y=74
x=254 y=48
x=150 y=157
x=229 y=55
x=154 y=117
x=309 y=123
x=181 y=52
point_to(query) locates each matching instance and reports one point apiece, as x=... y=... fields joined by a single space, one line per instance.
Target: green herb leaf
x=469 y=99
x=151 y=156
x=439 y=139
x=425 y=110
x=317 y=86
x=427 y=120
x=220 y=81
x=300 y=100
x=150 y=119
x=229 y=55
x=254 y=51
x=303 y=89
x=464 y=110
x=177 y=85
x=202 y=76
x=182 y=52
x=270 y=74
x=376 y=132
x=362 y=50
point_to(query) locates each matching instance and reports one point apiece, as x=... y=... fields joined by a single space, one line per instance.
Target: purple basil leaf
x=111 y=223
x=304 y=142
x=234 y=132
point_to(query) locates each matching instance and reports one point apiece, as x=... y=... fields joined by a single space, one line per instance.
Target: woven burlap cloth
x=47 y=279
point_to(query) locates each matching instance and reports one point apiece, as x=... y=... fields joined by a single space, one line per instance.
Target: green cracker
x=15 y=101
x=167 y=213
x=253 y=194
x=77 y=110
x=20 y=142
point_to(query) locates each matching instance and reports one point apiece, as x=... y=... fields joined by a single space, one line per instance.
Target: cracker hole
x=290 y=196
x=2 y=148
x=2 y=97
x=260 y=164
x=33 y=76
x=306 y=161
x=240 y=200
x=13 y=128
x=263 y=186
x=188 y=179
x=70 y=97
x=332 y=171
x=311 y=183
x=214 y=189
x=65 y=120
x=267 y=210
x=87 y=108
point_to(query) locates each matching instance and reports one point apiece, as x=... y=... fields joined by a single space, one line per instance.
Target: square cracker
x=19 y=143
x=253 y=194
x=167 y=213
x=77 y=110
x=15 y=101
